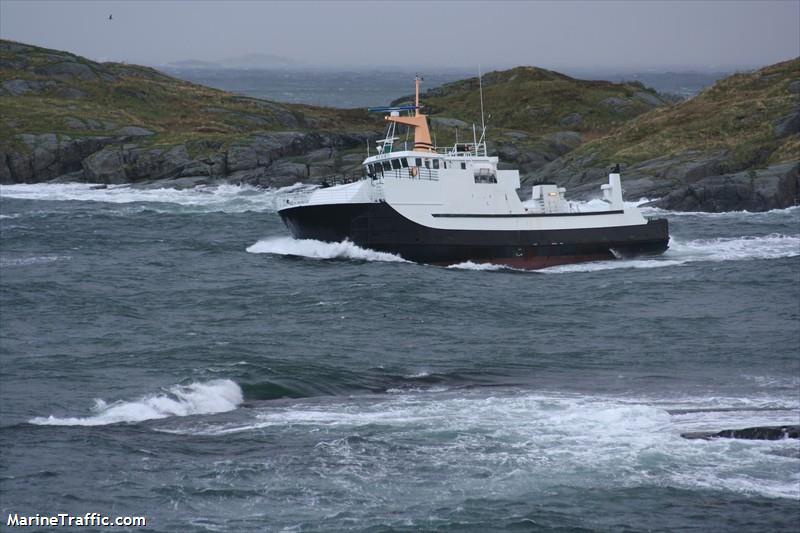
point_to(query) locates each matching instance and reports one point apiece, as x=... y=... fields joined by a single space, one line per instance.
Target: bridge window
x=396 y=164
x=419 y=161
x=485 y=176
x=436 y=163
x=404 y=162
x=387 y=165
x=463 y=166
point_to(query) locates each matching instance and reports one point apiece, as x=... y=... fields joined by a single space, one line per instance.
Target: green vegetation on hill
x=540 y=102
x=734 y=146
x=534 y=115
x=754 y=117
x=48 y=91
x=65 y=117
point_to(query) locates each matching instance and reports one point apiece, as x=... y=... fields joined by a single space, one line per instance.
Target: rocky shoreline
x=269 y=159
x=67 y=119
x=687 y=182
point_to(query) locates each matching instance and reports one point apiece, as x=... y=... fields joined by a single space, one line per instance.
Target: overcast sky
x=578 y=34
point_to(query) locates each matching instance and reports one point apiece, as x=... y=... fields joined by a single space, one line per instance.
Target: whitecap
x=595 y=266
x=34 y=260
x=773 y=246
x=216 y=396
x=539 y=439
x=652 y=210
x=319 y=250
x=225 y=197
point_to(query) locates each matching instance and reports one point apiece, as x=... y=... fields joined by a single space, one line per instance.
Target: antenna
x=417 y=79
x=474 y=139
x=480 y=88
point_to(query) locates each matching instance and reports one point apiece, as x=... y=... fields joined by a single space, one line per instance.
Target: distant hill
x=541 y=101
x=193 y=64
x=257 y=60
x=64 y=116
x=245 y=61
x=535 y=115
x=747 y=123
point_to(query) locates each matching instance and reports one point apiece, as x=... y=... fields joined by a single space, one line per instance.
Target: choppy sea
x=175 y=354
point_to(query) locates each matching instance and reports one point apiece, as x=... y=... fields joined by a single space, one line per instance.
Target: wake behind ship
x=450 y=205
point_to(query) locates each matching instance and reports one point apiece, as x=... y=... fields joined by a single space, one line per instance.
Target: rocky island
x=68 y=119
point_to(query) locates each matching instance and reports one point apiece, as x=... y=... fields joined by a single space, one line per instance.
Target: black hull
x=379 y=227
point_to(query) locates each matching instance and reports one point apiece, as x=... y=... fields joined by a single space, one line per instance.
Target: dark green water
x=176 y=355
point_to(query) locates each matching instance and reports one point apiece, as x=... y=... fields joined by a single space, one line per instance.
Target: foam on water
x=469 y=265
x=653 y=211
x=319 y=250
x=611 y=265
x=225 y=198
x=34 y=260
x=773 y=246
x=531 y=440
x=215 y=396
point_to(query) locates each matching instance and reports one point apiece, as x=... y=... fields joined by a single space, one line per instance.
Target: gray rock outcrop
x=775 y=187
x=788 y=124
x=264 y=158
x=67 y=70
x=753 y=433
x=20 y=87
x=688 y=181
x=46 y=156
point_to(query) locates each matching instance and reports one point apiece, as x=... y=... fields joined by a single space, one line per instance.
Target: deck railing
x=419 y=173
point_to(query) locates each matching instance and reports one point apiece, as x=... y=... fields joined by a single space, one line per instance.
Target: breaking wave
x=531 y=439
x=225 y=198
x=215 y=396
x=320 y=250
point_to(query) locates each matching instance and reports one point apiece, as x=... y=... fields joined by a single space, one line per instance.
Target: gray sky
x=567 y=34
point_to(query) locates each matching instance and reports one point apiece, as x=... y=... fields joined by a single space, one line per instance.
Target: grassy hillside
x=541 y=102
x=535 y=116
x=65 y=117
x=48 y=91
x=753 y=117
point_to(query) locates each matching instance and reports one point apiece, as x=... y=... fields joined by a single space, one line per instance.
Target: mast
x=480 y=88
x=483 y=121
x=422 y=135
x=417 y=79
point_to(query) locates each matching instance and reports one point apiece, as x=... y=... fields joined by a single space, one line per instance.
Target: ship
x=453 y=205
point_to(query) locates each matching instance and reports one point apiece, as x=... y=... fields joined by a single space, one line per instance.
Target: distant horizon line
x=655 y=69
x=299 y=65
